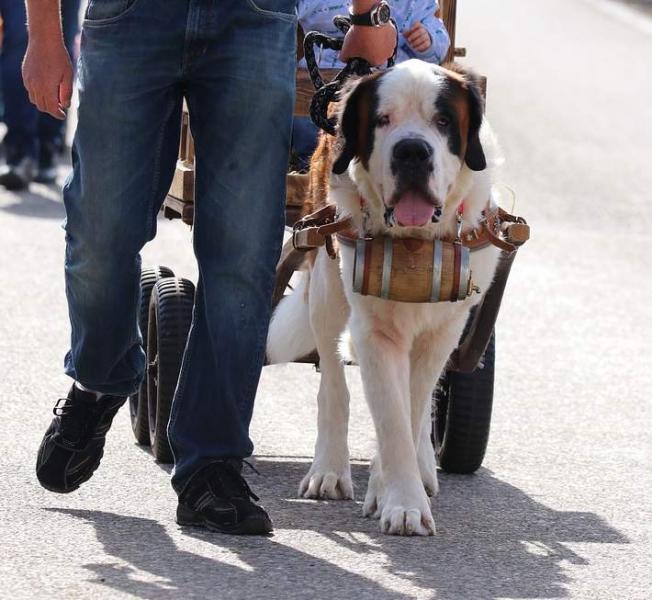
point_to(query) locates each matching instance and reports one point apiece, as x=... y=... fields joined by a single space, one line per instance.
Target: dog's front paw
x=327 y=483
x=406 y=511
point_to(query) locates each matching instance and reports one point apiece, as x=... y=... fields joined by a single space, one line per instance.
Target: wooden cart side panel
x=448 y=13
x=305 y=90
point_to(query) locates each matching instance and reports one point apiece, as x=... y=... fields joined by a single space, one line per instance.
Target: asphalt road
x=561 y=508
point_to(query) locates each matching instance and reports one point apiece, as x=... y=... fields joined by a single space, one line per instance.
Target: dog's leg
x=373 y=500
x=430 y=353
x=426 y=458
x=330 y=473
x=427 y=360
x=401 y=500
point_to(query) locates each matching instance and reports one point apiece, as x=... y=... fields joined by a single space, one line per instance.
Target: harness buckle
x=460 y=223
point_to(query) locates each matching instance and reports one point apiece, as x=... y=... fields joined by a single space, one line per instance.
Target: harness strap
x=497 y=228
x=318 y=228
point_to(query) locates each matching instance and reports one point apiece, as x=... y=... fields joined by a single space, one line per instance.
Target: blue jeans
x=26 y=127
x=234 y=62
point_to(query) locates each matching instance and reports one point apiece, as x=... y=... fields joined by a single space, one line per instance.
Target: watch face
x=383 y=13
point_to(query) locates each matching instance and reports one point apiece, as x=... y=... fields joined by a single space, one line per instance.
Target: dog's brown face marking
x=461 y=104
x=358 y=124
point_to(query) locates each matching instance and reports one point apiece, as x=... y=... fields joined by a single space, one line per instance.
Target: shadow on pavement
x=493 y=541
x=40 y=201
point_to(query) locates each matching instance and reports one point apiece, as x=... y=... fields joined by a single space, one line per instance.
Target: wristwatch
x=378 y=16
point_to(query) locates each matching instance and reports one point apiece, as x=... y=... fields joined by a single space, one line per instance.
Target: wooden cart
x=463 y=399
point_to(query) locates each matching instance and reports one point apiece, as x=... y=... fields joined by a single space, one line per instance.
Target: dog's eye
x=442 y=121
x=382 y=121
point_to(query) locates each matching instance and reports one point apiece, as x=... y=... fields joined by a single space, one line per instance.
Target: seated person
x=421 y=35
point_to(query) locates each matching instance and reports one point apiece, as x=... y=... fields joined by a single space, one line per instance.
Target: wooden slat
x=183 y=182
x=179 y=202
x=448 y=11
x=297 y=188
x=173 y=208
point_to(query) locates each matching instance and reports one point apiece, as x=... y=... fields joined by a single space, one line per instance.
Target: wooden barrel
x=410 y=270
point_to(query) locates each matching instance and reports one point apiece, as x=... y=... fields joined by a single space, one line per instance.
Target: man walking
x=234 y=62
x=33 y=139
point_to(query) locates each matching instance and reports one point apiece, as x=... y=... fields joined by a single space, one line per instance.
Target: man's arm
x=47 y=72
x=374 y=44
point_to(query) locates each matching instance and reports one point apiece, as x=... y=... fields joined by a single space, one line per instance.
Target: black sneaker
x=218 y=498
x=16 y=177
x=73 y=445
x=47 y=168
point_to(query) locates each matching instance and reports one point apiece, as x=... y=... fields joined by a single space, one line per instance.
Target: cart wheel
x=170 y=313
x=462 y=405
x=138 y=402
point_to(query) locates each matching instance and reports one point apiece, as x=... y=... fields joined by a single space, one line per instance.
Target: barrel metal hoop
x=359 y=265
x=437 y=254
x=387 y=267
x=464 y=273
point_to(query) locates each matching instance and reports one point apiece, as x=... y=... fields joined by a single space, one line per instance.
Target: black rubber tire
x=138 y=402
x=170 y=314
x=463 y=403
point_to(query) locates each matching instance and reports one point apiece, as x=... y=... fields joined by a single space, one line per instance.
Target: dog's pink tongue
x=413 y=210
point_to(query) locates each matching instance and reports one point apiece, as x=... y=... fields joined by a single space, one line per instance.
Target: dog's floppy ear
x=356 y=123
x=474 y=157
x=463 y=96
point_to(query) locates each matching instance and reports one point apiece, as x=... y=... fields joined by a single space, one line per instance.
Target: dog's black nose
x=412 y=150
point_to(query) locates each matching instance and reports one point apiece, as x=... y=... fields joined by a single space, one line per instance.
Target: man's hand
x=374 y=44
x=418 y=37
x=47 y=75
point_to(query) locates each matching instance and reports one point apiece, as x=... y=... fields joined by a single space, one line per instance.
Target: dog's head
x=407 y=134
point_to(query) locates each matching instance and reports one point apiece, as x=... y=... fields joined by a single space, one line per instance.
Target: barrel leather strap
x=495 y=229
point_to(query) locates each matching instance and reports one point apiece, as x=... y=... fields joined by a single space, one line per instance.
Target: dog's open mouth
x=413 y=209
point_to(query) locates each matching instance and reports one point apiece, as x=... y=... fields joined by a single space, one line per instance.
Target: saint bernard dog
x=412 y=148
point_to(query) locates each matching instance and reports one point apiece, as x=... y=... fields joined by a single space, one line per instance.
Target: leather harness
x=497 y=228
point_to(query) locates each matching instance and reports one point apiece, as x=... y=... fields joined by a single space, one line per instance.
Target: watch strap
x=376 y=16
x=362 y=19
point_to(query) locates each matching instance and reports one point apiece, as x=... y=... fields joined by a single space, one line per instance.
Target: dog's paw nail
x=429 y=525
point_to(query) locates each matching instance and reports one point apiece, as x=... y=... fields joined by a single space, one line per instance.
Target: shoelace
x=74 y=417
x=235 y=479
